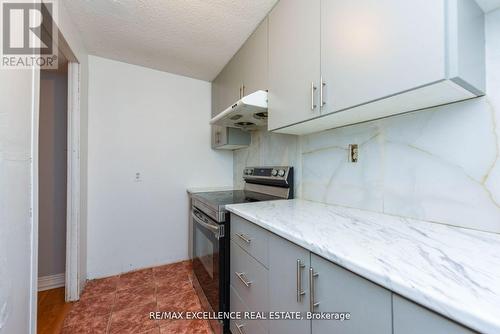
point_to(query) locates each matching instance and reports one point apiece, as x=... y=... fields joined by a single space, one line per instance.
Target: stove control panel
x=266 y=172
x=277 y=178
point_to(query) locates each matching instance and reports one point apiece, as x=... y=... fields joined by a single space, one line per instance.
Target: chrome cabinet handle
x=243 y=91
x=241 y=276
x=300 y=292
x=322 y=85
x=240 y=92
x=312 y=303
x=244 y=238
x=313 y=88
x=239 y=328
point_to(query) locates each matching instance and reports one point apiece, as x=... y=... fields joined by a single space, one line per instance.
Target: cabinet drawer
x=252 y=238
x=246 y=326
x=249 y=279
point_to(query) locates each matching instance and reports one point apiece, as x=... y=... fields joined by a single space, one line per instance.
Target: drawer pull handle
x=241 y=276
x=300 y=292
x=322 y=86
x=312 y=303
x=243 y=237
x=313 y=88
x=239 y=328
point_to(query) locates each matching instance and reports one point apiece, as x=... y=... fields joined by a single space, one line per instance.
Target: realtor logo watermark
x=27 y=30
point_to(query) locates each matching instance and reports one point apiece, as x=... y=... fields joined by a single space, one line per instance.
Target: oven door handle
x=216 y=229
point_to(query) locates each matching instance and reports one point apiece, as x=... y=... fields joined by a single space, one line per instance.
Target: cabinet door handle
x=241 y=276
x=243 y=237
x=300 y=292
x=322 y=86
x=240 y=92
x=243 y=91
x=313 y=88
x=239 y=328
x=312 y=303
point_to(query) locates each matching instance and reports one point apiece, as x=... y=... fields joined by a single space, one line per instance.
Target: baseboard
x=51 y=282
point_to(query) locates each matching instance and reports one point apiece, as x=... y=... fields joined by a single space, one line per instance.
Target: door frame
x=72 y=274
x=73 y=249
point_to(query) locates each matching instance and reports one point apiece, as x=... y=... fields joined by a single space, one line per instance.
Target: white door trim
x=35 y=110
x=73 y=185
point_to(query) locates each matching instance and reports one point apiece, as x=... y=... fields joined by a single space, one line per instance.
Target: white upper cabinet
x=245 y=73
x=254 y=61
x=377 y=58
x=294 y=62
x=375 y=48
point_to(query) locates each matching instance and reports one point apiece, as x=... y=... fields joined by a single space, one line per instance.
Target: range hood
x=249 y=113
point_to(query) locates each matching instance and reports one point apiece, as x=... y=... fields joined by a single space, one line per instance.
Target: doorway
x=52 y=196
x=56 y=253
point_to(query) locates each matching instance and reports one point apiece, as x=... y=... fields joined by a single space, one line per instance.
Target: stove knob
x=274 y=172
x=281 y=173
x=250 y=171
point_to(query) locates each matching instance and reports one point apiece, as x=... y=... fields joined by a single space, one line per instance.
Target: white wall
x=17 y=99
x=440 y=165
x=156 y=124
x=53 y=120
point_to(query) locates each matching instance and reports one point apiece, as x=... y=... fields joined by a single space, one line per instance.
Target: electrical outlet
x=138 y=177
x=353 y=153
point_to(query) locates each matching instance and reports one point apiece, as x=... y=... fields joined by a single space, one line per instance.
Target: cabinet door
x=230 y=83
x=288 y=265
x=254 y=60
x=371 y=49
x=294 y=62
x=339 y=290
x=409 y=318
x=216 y=96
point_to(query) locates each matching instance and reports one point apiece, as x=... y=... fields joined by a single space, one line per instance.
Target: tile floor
x=121 y=304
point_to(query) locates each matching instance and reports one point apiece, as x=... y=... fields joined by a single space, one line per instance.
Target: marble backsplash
x=440 y=165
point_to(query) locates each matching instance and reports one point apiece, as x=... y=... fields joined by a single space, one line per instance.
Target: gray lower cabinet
x=251 y=238
x=338 y=290
x=249 y=280
x=288 y=284
x=410 y=318
x=242 y=326
x=296 y=280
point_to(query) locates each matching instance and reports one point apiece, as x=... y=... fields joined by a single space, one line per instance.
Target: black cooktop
x=218 y=199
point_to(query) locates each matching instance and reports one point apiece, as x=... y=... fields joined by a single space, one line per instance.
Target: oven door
x=207 y=237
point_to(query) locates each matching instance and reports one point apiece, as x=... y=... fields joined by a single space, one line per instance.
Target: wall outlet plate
x=138 y=177
x=353 y=153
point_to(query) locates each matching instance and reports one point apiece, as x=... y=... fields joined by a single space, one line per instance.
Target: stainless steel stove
x=211 y=226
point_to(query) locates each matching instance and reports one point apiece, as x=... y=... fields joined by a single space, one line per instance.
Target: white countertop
x=453 y=271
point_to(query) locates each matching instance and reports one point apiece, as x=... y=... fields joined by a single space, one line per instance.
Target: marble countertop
x=453 y=271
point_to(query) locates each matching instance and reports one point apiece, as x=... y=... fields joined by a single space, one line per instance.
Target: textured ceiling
x=489 y=5
x=195 y=38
